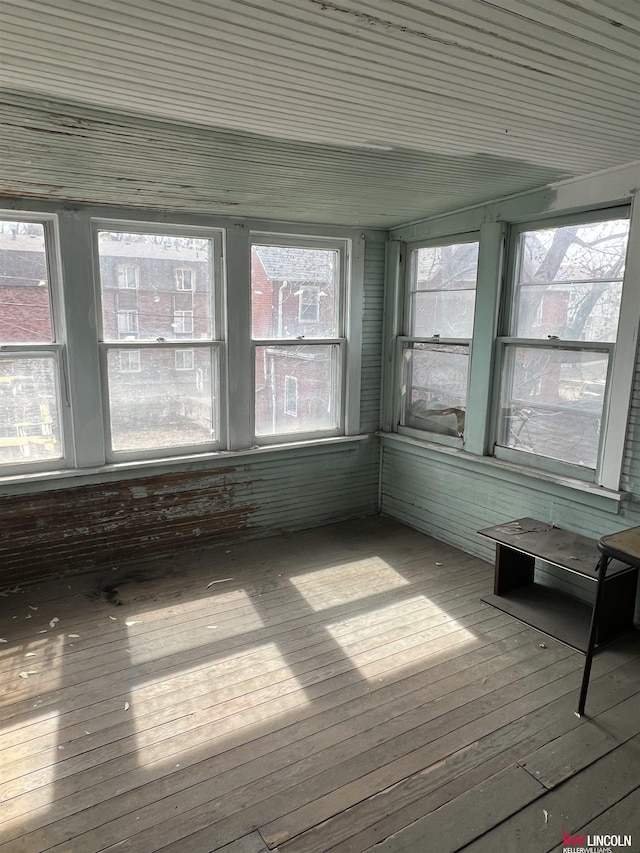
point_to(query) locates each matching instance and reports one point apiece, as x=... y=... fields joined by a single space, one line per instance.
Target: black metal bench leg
x=593 y=633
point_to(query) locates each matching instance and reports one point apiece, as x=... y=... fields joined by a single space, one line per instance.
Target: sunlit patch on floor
x=347 y=582
x=200 y=704
x=28 y=768
x=233 y=615
x=387 y=631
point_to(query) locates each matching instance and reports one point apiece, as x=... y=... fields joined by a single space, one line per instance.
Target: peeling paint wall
x=76 y=528
x=72 y=530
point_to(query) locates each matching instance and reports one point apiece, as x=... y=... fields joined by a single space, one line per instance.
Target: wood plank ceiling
x=365 y=112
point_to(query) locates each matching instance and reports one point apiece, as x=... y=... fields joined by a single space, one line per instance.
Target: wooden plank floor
x=341 y=689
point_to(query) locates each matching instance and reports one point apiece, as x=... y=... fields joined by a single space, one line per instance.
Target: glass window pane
x=448 y=314
x=160 y=398
x=571 y=312
x=25 y=309
x=308 y=372
x=155 y=287
x=434 y=388
x=294 y=292
x=443 y=286
x=570 y=281
x=552 y=402
x=29 y=420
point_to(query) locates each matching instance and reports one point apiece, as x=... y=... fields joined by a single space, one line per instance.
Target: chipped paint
x=154 y=513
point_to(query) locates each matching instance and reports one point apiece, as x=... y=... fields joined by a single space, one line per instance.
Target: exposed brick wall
x=24 y=314
x=76 y=529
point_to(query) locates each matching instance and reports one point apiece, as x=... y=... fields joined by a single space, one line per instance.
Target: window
x=184 y=278
x=127 y=324
x=129 y=361
x=183 y=322
x=561 y=330
x=177 y=363
x=127 y=277
x=291 y=396
x=434 y=351
x=31 y=432
x=185 y=359
x=309 y=304
x=160 y=396
x=286 y=353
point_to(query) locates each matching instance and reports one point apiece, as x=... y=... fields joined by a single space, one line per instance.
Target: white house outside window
x=434 y=351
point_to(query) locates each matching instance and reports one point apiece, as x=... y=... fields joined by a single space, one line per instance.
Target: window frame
x=342 y=402
x=84 y=415
x=56 y=348
x=405 y=340
x=607 y=470
x=215 y=345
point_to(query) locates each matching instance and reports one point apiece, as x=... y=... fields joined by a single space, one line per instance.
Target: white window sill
x=583 y=492
x=63 y=478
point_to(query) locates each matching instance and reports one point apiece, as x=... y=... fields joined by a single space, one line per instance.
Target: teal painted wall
x=449 y=494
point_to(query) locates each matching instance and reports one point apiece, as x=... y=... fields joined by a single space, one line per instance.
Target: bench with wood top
x=610 y=563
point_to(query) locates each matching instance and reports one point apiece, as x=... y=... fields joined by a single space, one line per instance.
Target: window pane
x=443 y=287
x=552 y=402
x=294 y=292
x=434 y=388
x=310 y=370
x=448 y=314
x=156 y=401
x=29 y=425
x=155 y=286
x=25 y=312
x=570 y=281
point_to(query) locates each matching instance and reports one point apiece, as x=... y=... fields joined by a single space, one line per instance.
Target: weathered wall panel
x=77 y=528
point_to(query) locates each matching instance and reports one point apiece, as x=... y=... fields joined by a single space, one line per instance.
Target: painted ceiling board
x=364 y=112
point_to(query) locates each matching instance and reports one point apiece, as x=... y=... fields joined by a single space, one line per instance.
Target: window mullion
x=394 y=301
x=239 y=357
x=623 y=364
x=353 y=277
x=83 y=364
x=477 y=437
